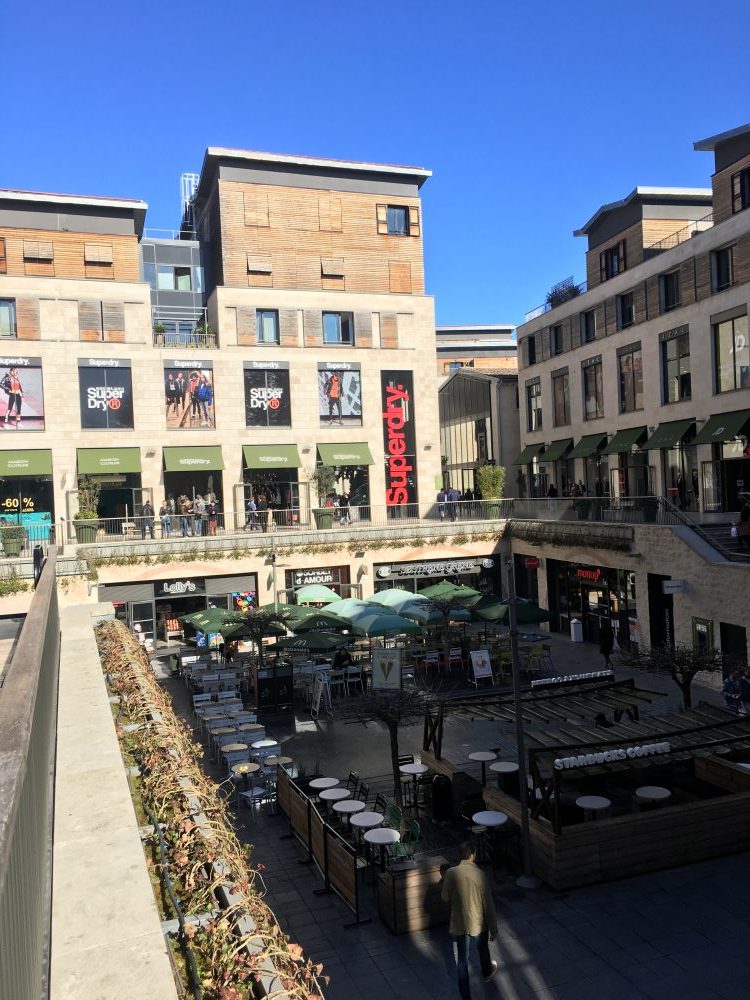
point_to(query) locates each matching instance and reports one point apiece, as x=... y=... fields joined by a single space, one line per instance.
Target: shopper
x=186 y=510
x=199 y=509
x=606 y=642
x=344 y=517
x=164 y=517
x=262 y=508
x=472 y=917
x=453 y=497
x=147 y=520
x=212 y=512
x=250 y=514
x=442 y=499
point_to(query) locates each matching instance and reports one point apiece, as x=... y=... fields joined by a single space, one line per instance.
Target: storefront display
x=21 y=394
x=267 y=398
x=189 y=394
x=106 y=393
x=593 y=595
x=26 y=493
x=481 y=573
x=340 y=393
x=335 y=577
x=399 y=440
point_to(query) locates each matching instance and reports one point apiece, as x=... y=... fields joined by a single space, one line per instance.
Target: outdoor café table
x=650 y=794
x=278 y=761
x=382 y=837
x=502 y=769
x=233 y=747
x=592 y=804
x=244 y=770
x=414 y=770
x=319 y=784
x=264 y=744
x=331 y=795
x=347 y=807
x=250 y=728
x=484 y=756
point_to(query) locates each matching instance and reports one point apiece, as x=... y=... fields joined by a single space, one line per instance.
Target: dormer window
x=612 y=261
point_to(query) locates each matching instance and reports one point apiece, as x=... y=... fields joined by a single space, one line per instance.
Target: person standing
x=472 y=916
x=11 y=384
x=185 y=511
x=344 y=517
x=164 y=517
x=250 y=516
x=212 y=510
x=442 y=499
x=453 y=497
x=262 y=508
x=147 y=520
x=199 y=509
x=606 y=642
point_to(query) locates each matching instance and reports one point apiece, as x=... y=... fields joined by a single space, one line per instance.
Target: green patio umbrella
x=489 y=608
x=421 y=612
x=317 y=642
x=447 y=591
x=395 y=597
x=351 y=606
x=210 y=618
x=316 y=593
x=318 y=621
x=528 y=614
x=383 y=623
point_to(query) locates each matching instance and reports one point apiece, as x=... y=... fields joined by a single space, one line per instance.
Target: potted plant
x=86 y=521
x=491 y=484
x=324 y=478
x=13 y=537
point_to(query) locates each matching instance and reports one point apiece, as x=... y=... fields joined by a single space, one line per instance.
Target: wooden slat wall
x=313 y=327
x=300 y=229
x=633 y=237
x=113 y=321
x=363 y=329
x=288 y=328
x=90 y=319
x=722 y=189
x=69 y=254
x=27 y=318
x=388 y=330
x=247 y=331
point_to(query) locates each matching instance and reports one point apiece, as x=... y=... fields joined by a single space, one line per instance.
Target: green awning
x=95 y=461
x=345 y=454
x=530 y=452
x=26 y=463
x=669 y=435
x=557 y=449
x=197 y=459
x=624 y=440
x=271 y=456
x=588 y=445
x=722 y=427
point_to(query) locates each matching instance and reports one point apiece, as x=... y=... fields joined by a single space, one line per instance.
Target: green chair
x=394 y=817
x=405 y=848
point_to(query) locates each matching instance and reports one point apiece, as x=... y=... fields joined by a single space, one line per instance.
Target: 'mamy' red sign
x=589 y=575
x=399 y=444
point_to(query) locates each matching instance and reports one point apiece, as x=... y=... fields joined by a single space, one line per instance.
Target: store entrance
x=193 y=484
x=597 y=609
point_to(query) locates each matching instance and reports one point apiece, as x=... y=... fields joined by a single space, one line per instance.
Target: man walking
x=472 y=918
x=147 y=520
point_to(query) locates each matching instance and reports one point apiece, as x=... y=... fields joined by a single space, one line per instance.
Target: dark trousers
x=463 y=943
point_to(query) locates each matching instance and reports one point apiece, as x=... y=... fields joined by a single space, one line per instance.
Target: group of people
x=199 y=516
x=448 y=499
x=193 y=395
x=736 y=691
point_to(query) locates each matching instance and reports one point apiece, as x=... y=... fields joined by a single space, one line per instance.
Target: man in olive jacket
x=472 y=917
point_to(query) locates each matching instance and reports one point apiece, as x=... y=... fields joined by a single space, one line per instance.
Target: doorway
x=660 y=613
x=734 y=643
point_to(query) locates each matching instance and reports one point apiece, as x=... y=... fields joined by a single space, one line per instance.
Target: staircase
x=720 y=536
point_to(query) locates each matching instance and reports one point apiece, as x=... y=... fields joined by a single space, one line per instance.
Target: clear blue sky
x=530 y=114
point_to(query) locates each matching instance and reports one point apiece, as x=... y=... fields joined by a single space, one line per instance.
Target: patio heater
x=528 y=879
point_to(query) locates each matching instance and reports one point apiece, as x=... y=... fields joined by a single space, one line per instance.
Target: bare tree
x=258 y=624
x=682 y=663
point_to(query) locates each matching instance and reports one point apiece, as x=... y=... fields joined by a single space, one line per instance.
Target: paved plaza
x=682 y=933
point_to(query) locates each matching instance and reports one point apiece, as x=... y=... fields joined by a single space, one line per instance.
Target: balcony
x=182 y=328
x=694 y=228
x=558 y=295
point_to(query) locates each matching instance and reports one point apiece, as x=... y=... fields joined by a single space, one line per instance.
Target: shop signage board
x=673 y=586
x=440 y=567
x=267 y=394
x=106 y=393
x=399 y=439
x=340 y=393
x=180 y=588
x=612 y=756
x=481 y=664
x=531 y=562
x=595 y=675
x=321 y=694
x=189 y=393
x=304 y=577
x=589 y=574
x=386 y=669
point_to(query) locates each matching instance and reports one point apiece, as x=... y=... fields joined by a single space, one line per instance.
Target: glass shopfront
x=26 y=492
x=593 y=595
x=481 y=573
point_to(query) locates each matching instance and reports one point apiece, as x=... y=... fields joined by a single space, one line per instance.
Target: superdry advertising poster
x=189 y=394
x=399 y=441
x=21 y=394
x=267 y=402
x=106 y=393
x=340 y=394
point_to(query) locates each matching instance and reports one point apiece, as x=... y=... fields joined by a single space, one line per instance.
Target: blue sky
x=530 y=114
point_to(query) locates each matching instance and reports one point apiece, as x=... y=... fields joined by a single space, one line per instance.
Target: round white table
x=382 y=837
x=503 y=768
x=414 y=770
x=264 y=744
x=245 y=769
x=592 y=804
x=233 y=747
x=652 y=793
x=318 y=784
x=334 y=794
x=484 y=756
x=367 y=820
x=490 y=818
x=348 y=807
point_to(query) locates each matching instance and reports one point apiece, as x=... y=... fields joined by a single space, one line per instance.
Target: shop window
x=534 y=406
x=722 y=269
x=675 y=365
x=561 y=399
x=630 y=371
x=731 y=354
x=338 y=328
x=593 y=391
x=8 y=326
x=703 y=635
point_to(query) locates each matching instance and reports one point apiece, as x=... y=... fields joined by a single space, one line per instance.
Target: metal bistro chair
x=381 y=804
x=352 y=781
x=407 y=783
x=455 y=658
x=363 y=792
x=353 y=680
x=405 y=848
x=262 y=789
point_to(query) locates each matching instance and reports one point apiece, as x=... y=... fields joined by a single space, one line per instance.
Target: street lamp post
x=528 y=879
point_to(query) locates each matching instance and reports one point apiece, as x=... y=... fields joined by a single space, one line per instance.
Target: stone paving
x=680 y=934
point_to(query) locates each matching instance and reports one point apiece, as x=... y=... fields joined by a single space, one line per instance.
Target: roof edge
x=667 y=193
x=316 y=161
x=709 y=144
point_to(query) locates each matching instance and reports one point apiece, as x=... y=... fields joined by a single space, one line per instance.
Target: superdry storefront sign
x=267 y=402
x=399 y=443
x=106 y=393
x=441 y=568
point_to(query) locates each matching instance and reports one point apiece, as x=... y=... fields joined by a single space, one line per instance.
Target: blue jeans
x=463 y=943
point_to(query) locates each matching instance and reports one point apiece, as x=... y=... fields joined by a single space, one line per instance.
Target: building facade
x=490 y=347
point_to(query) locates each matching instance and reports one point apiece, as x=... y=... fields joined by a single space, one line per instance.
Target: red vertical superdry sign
x=399 y=443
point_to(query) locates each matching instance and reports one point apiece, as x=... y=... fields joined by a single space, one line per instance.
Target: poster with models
x=340 y=394
x=189 y=394
x=21 y=394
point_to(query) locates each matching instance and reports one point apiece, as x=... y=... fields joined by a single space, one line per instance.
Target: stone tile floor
x=683 y=933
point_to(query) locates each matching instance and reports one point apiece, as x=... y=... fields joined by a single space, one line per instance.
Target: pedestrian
x=344 y=517
x=441 y=498
x=212 y=512
x=166 y=524
x=453 y=497
x=262 y=508
x=147 y=520
x=250 y=514
x=606 y=642
x=199 y=509
x=743 y=527
x=732 y=691
x=552 y=492
x=472 y=916
x=186 y=510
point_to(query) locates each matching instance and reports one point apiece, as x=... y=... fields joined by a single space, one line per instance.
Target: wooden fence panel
x=282 y=790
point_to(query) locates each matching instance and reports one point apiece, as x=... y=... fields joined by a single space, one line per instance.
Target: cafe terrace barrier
x=335 y=858
x=409 y=895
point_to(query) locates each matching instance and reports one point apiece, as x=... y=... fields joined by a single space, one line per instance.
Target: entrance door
x=596 y=611
x=660 y=612
x=734 y=643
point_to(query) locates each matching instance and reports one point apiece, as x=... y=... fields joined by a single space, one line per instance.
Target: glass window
x=197 y=279
x=669 y=290
x=721 y=269
x=268 y=326
x=531 y=349
x=588 y=326
x=398 y=220
x=165 y=277
x=675 y=364
x=593 y=395
x=183 y=279
x=338 y=328
x=7 y=318
x=625 y=310
x=534 y=406
x=741 y=190
x=149 y=274
x=703 y=635
x=561 y=399
x=556 y=339
x=631 y=380
x=612 y=261
x=732 y=354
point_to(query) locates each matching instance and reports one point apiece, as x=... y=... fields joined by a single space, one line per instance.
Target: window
x=732 y=354
x=593 y=393
x=588 y=326
x=338 y=328
x=741 y=190
x=703 y=635
x=625 y=310
x=172 y=279
x=268 y=326
x=183 y=279
x=3 y=258
x=398 y=220
x=531 y=350
x=534 y=406
x=149 y=274
x=675 y=366
x=7 y=318
x=612 y=261
x=669 y=290
x=556 y=340
x=40 y=250
x=561 y=399
x=721 y=269
x=630 y=370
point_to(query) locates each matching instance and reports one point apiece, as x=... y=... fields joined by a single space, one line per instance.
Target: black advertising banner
x=267 y=399
x=189 y=393
x=340 y=394
x=106 y=393
x=21 y=394
x=399 y=438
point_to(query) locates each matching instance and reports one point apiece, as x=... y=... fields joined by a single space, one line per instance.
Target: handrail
x=682 y=235
x=688 y=522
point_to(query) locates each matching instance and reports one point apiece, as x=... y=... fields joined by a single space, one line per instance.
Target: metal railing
x=15 y=544
x=606 y=510
x=681 y=236
x=28 y=719
x=184 y=233
x=560 y=293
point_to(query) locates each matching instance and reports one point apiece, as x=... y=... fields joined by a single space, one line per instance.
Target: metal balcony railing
x=558 y=295
x=681 y=236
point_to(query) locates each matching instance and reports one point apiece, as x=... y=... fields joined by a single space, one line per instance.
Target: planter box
x=323 y=517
